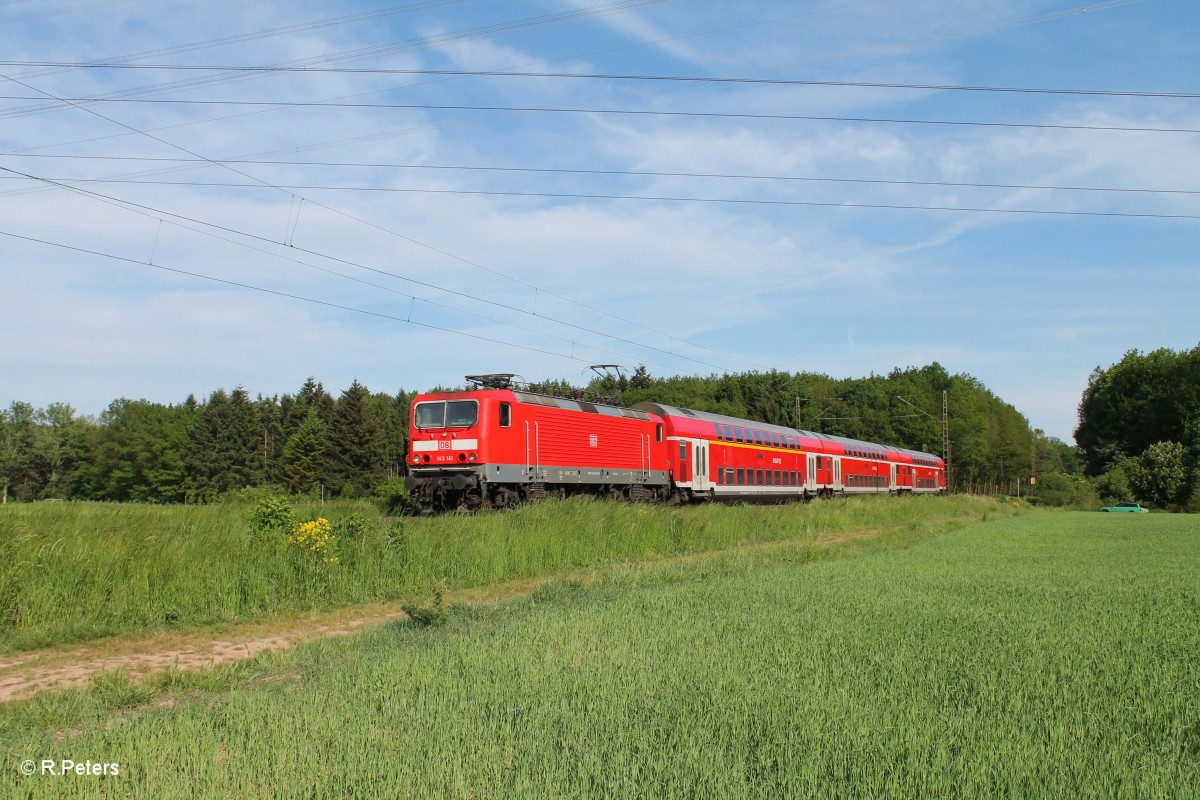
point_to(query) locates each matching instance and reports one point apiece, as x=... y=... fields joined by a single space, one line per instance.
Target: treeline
x=1139 y=428
x=309 y=442
x=200 y=451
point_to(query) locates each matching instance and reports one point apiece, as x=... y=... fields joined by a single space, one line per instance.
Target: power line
x=308 y=64
x=344 y=19
x=663 y=198
x=618 y=173
x=516 y=66
x=347 y=215
x=618 y=111
x=942 y=87
x=159 y=213
x=289 y=295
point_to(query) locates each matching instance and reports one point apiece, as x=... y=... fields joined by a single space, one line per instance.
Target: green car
x=1132 y=507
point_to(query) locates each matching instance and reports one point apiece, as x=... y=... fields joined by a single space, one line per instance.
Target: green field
x=1044 y=655
x=78 y=571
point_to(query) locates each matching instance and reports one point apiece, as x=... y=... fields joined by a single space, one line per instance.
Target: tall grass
x=77 y=571
x=1048 y=656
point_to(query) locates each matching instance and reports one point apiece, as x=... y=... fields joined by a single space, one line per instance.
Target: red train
x=497 y=446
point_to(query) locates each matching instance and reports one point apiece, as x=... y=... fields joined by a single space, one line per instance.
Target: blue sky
x=810 y=281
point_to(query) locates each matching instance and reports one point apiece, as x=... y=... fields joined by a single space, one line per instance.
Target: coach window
x=759 y=478
x=737 y=435
x=720 y=436
x=758 y=437
x=728 y=432
x=505 y=415
x=683 y=448
x=741 y=476
x=658 y=432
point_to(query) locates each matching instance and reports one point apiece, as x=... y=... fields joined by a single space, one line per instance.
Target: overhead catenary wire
x=395 y=233
x=289 y=295
x=301 y=27
x=1091 y=8
x=615 y=76
x=660 y=198
x=309 y=64
x=158 y=213
x=623 y=112
x=813 y=12
x=614 y=173
x=588 y=54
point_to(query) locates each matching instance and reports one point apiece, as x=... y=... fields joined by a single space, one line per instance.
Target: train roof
x=705 y=416
x=580 y=405
x=533 y=399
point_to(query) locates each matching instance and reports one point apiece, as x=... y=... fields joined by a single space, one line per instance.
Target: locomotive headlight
x=416 y=458
x=471 y=457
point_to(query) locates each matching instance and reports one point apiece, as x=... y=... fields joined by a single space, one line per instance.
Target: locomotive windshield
x=446 y=414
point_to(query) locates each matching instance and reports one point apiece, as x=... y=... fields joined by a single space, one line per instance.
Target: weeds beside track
x=74 y=572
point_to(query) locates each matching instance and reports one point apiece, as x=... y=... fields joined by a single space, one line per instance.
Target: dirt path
x=61 y=667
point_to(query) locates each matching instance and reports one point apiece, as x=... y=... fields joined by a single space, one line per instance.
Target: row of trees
x=198 y=451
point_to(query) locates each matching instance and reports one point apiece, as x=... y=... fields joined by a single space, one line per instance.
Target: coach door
x=837 y=472
x=810 y=482
x=700 y=481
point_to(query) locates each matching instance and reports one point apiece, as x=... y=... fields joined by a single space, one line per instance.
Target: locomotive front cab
x=446 y=449
x=444 y=432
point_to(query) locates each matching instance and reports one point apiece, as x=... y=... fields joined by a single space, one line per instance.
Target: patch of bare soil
x=61 y=667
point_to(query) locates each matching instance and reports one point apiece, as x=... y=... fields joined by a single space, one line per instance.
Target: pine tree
x=312 y=395
x=356 y=451
x=304 y=454
x=224 y=448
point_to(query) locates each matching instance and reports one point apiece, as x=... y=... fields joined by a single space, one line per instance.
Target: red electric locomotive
x=497 y=446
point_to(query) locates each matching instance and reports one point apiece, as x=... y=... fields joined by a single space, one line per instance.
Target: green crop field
x=1043 y=655
x=77 y=571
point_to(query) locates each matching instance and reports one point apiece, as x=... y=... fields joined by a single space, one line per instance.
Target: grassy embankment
x=1050 y=655
x=78 y=571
